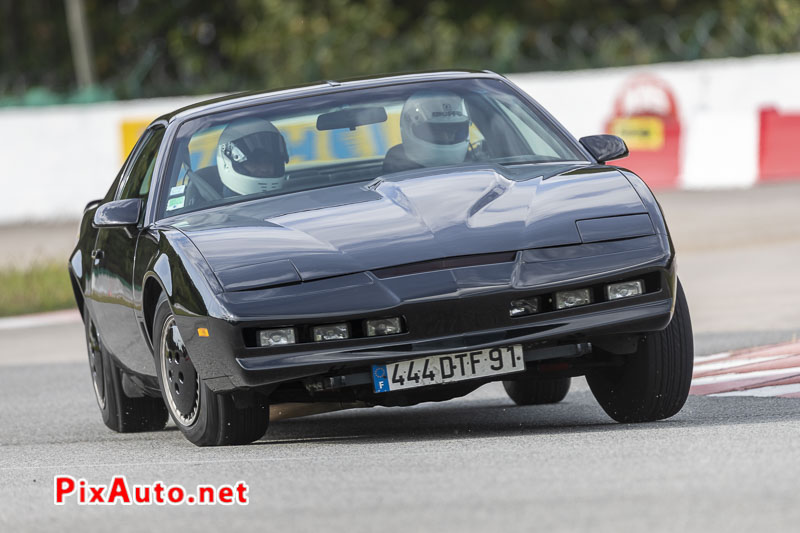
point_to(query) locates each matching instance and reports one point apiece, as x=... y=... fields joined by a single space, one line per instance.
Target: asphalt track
x=724 y=463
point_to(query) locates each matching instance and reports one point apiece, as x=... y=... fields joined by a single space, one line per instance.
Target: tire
x=654 y=382
x=537 y=391
x=205 y=417
x=120 y=412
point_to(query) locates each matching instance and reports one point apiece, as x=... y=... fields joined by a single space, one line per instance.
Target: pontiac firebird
x=359 y=282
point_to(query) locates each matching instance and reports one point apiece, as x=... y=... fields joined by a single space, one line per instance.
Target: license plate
x=439 y=369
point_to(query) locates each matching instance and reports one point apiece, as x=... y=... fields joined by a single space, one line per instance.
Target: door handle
x=97 y=255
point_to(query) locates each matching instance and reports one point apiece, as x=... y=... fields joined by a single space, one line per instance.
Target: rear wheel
x=205 y=417
x=537 y=391
x=654 y=382
x=120 y=412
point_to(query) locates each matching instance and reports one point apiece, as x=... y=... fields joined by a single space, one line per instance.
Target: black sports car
x=383 y=241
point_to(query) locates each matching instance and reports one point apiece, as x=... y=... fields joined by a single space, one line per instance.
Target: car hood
x=406 y=218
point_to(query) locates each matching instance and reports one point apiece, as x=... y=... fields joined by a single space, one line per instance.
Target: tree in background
x=148 y=48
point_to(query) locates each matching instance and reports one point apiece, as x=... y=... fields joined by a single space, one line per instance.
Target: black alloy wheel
x=205 y=417
x=182 y=384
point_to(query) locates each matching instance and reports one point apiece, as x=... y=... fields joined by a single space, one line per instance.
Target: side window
x=137 y=185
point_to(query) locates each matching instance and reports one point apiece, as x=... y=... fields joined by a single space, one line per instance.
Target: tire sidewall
x=647 y=388
x=108 y=383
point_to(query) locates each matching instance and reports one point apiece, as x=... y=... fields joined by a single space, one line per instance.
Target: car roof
x=238 y=100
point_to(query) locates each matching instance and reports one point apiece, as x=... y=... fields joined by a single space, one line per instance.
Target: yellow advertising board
x=640 y=133
x=306 y=144
x=130 y=131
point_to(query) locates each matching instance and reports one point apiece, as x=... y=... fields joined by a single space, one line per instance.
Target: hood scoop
x=405 y=223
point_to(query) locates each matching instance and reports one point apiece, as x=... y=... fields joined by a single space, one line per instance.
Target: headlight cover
x=331 y=332
x=384 y=326
x=276 y=337
x=574 y=298
x=625 y=289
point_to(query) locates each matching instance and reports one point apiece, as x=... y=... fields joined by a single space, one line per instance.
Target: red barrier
x=646 y=116
x=779 y=145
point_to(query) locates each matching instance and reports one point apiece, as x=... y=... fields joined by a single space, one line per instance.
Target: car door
x=112 y=265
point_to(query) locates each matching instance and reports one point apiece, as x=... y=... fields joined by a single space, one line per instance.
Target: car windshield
x=354 y=136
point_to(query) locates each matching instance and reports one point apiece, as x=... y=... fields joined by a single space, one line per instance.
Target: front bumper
x=445 y=311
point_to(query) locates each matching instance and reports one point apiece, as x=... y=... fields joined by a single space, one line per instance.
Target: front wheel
x=205 y=417
x=654 y=382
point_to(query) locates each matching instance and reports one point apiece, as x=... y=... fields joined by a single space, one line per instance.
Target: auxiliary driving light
x=384 y=326
x=331 y=332
x=276 y=337
x=567 y=299
x=528 y=306
x=626 y=289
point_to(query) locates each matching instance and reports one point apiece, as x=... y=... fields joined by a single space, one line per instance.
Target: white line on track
x=772 y=390
x=733 y=363
x=703 y=359
x=746 y=375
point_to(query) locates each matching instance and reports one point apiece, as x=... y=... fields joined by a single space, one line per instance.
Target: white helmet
x=252 y=156
x=434 y=126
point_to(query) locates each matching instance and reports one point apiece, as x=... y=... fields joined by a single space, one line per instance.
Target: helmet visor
x=442 y=132
x=259 y=155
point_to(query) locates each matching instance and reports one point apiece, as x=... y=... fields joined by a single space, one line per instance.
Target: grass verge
x=36 y=288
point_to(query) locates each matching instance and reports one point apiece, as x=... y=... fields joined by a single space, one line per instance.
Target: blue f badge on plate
x=380 y=380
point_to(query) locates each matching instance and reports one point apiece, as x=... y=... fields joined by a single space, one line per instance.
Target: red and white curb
x=763 y=371
x=38 y=320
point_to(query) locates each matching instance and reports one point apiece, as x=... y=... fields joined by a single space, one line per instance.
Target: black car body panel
x=410 y=218
x=446 y=250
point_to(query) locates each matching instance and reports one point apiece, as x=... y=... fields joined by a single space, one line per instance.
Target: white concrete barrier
x=55 y=159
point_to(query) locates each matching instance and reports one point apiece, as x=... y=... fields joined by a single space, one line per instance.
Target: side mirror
x=118 y=213
x=605 y=147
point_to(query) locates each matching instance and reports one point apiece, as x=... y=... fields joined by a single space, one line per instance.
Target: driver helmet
x=252 y=156
x=434 y=126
